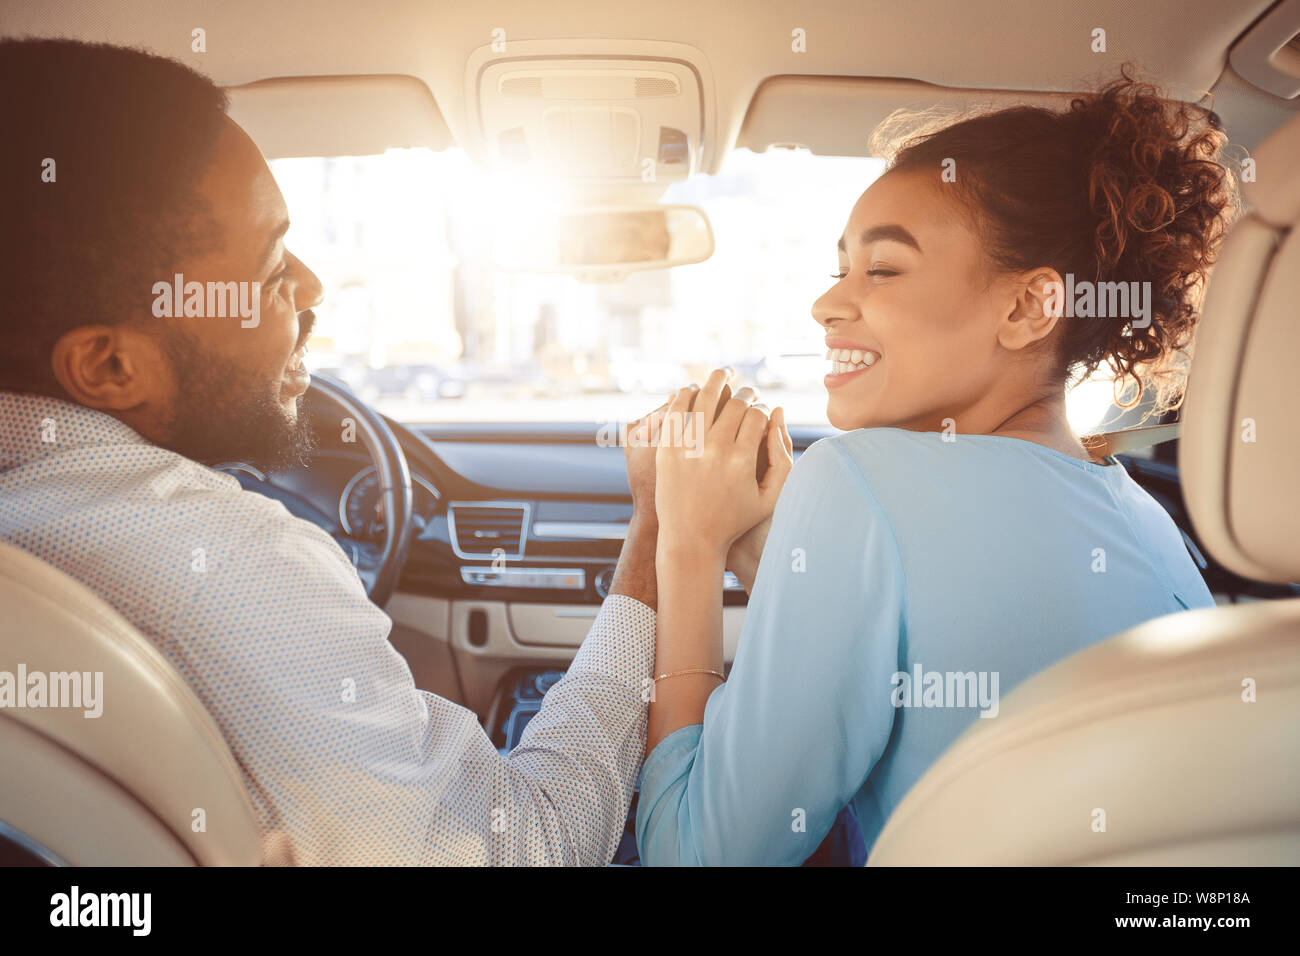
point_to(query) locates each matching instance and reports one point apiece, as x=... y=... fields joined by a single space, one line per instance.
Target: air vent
x=488 y=529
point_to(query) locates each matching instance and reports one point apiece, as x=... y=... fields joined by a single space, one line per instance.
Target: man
x=121 y=171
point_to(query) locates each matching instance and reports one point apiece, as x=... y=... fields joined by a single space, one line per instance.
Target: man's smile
x=296 y=379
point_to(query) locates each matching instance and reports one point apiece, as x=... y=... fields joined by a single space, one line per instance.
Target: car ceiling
x=862 y=57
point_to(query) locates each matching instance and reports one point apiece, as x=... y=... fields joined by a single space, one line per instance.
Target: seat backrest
x=1239 y=454
x=1175 y=742
x=149 y=781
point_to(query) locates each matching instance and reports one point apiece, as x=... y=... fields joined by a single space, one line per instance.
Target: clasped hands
x=691 y=466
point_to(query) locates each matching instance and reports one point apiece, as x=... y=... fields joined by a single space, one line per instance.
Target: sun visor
x=833 y=115
x=338 y=115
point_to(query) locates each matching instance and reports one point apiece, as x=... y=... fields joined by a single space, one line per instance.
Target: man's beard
x=223 y=413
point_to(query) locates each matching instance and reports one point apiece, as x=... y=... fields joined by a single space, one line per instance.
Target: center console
x=518 y=702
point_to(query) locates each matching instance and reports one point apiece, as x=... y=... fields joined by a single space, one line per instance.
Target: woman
x=958 y=537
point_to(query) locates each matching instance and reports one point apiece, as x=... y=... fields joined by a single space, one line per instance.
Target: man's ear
x=1036 y=307
x=111 y=367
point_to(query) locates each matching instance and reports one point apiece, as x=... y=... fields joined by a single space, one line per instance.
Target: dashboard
x=537 y=513
x=499 y=512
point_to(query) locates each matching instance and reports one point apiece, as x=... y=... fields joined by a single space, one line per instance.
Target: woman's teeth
x=850 y=360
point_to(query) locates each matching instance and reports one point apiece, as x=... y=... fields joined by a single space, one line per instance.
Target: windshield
x=419 y=322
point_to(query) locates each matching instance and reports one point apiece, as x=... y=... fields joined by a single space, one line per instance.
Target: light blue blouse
x=967 y=565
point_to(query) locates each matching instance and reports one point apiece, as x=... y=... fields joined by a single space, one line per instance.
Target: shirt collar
x=37 y=426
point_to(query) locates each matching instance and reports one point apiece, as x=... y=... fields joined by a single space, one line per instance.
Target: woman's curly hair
x=1124 y=186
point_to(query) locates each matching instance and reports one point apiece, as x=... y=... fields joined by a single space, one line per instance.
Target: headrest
x=1239 y=456
x=1274 y=195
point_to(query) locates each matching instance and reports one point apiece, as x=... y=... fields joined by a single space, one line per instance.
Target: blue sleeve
x=805 y=714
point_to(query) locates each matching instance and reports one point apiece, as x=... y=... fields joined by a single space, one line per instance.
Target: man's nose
x=310 y=291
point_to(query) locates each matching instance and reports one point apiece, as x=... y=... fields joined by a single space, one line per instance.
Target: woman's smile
x=848 y=360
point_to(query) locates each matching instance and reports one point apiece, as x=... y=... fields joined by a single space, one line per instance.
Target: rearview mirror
x=605 y=244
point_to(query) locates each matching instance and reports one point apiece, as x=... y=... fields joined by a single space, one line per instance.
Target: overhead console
x=586 y=114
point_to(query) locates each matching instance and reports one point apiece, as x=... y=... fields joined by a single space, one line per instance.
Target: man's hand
x=634 y=575
x=639 y=452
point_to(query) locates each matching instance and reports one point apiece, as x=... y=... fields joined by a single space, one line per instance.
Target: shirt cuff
x=621 y=642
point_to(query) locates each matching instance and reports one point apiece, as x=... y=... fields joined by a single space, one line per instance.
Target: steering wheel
x=332 y=405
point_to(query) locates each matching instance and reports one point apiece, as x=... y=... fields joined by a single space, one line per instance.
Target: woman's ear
x=1037 y=306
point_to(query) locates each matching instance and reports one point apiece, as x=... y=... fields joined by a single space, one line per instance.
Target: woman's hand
x=706 y=494
x=744 y=555
x=745 y=552
x=639 y=452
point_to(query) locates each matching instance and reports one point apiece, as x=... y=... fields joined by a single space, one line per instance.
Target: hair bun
x=1162 y=204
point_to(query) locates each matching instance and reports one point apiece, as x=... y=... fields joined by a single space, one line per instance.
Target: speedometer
x=361 y=512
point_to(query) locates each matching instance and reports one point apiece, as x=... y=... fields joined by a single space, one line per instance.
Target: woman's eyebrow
x=891 y=232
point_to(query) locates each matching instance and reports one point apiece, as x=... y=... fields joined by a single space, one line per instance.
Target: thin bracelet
x=692 y=670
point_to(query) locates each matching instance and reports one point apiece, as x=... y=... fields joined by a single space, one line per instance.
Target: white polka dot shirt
x=345 y=760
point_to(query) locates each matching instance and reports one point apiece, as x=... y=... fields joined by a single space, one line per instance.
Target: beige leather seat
x=1154 y=733
x=150 y=781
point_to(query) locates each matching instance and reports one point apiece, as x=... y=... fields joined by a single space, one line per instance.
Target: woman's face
x=912 y=294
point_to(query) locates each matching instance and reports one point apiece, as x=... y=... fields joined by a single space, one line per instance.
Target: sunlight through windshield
x=418 y=320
